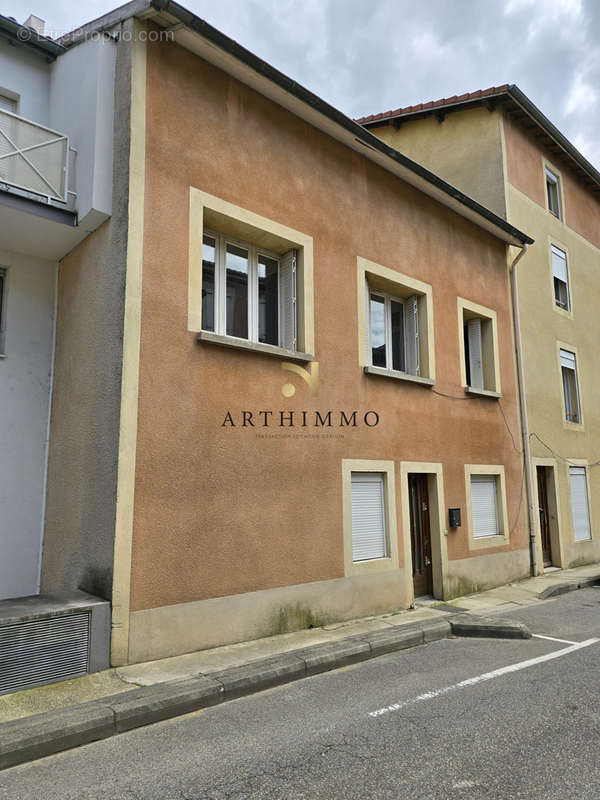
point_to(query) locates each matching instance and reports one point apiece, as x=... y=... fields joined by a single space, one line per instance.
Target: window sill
x=487 y=542
x=483 y=392
x=254 y=347
x=399 y=376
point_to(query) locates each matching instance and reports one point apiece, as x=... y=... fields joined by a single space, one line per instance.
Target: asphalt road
x=529 y=733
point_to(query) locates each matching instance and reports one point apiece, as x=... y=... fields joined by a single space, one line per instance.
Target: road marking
x=551 y=638
x=487 y=676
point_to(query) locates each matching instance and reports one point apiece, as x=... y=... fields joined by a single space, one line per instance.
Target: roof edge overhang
x=196 y=35
x=518 y=97
x=23 y=36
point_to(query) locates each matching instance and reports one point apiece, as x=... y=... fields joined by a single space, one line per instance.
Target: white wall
x=26 y=74
x=24 y=397
x=82 y=88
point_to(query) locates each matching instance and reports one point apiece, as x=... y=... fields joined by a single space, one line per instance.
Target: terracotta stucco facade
x=556 y=444
x=238 y=532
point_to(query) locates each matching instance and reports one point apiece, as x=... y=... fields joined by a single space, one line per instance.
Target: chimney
x=36 y=23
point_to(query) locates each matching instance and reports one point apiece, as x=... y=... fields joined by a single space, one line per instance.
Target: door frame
x=554 y=521
x=437 y=526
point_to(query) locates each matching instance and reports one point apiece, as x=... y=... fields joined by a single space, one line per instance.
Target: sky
x=367 y=56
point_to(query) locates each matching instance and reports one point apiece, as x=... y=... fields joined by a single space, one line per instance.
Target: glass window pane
x=208 y=283
x=570 y=390
x=561 y=294
x=236 y=263
x=378 y=353
x=398 y=359
x=268 y=300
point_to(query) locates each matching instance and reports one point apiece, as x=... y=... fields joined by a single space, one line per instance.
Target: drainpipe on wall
x=524 y=420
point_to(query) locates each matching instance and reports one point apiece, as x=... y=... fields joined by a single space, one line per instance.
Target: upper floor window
x=568 y=366
x=395 y=324
x=479 y=358
x=247 y=292
x=394 y=332
x=553 y=193
x=8 y=103
x=561 y=278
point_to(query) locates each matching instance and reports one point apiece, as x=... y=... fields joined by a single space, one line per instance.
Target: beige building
x=299 y=408
x=498 y=148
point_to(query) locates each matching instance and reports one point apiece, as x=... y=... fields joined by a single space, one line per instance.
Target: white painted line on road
x=551 y=638
x=487 y=676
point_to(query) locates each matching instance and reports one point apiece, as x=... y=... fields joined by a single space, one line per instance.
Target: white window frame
x=552 y=177
x=403 y=301
x=574 y=469
x=560 y=254
x=490 y=354
x=573 y=369
x=220 y=292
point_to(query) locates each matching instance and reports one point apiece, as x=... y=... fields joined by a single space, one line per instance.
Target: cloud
x=366 y=56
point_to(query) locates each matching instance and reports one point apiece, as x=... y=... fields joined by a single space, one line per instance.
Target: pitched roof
x=516 y=105
x=432 y=105
x=195 y=34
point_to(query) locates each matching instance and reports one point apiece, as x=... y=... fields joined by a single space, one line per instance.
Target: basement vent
x=41 y=651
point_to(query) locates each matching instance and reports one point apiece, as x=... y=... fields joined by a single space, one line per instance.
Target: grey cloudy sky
x=366 y=56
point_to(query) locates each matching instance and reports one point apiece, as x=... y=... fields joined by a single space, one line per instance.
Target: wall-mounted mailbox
x=454 y=517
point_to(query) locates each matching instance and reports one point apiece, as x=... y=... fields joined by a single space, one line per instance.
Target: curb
x=564 y=588
x=42 y=735
x=470 y=625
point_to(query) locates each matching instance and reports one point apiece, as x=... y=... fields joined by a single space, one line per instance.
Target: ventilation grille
x=43 y=651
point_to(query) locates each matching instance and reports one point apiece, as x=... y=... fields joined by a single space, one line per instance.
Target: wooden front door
x=420 y=537
x=544 y=516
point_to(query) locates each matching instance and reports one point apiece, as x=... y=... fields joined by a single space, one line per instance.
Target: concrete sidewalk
x=47 y=720
x=123 y=679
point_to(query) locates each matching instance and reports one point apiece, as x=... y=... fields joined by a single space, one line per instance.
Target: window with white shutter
x=479 y=357
x=484 y=506
x=568 y=366
x=394 y=332
x=579 y=504
x=560 y=277
x=248 y=292
x=368 y=516
x=553 y=193
x=474 y=354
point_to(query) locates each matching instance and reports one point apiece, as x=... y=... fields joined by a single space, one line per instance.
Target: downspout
x=524 y=420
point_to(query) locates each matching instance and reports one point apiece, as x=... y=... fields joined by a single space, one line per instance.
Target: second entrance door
x=420 y=535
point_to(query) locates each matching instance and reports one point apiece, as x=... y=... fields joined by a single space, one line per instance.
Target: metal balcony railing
x=33 y=158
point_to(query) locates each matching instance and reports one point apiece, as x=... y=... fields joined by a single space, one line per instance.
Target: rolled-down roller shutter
x=579 y=504
x=368 y=516
x=484 y=506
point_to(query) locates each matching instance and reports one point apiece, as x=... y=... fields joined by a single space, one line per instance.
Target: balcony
x=35 y=161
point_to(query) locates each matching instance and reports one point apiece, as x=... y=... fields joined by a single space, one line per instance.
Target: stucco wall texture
x=465 y=149
x=86 y=402
x=220 y=511
x=524 y=169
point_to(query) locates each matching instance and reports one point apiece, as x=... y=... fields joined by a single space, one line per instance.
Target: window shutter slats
x=475 y=353
x=412 y=335
x=579 y=504
x=559 y=264
x=484 y=508
x=8 y=104
x=287 y=299
x=368 y=517
x=567 y=359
